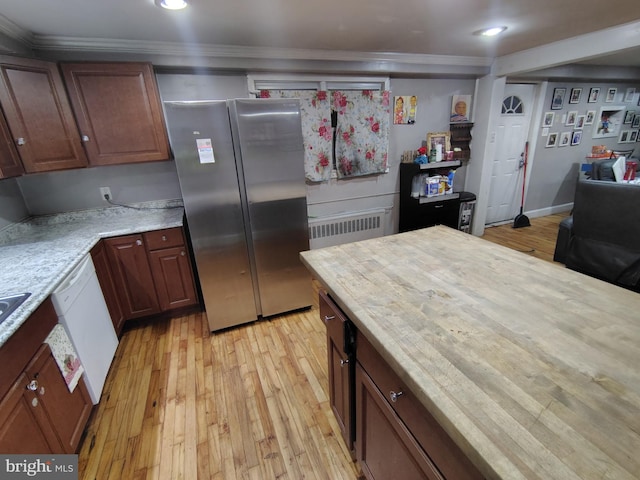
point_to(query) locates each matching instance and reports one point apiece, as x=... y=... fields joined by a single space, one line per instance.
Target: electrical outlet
x=105 y=193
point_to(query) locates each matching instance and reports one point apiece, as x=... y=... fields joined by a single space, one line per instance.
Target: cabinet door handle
x=164 y=238
x=327 y=317
x=21 y=141
x=395 y=395
x=344 y=362
x=34 y=402
x=85 y=138
x=138 y=242
x=32 y=385
x=183 y=253
x=438 y=206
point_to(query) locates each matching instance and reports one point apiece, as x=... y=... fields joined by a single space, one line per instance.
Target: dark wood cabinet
x=461 y=140
x=384 y=446
x=171 y=269
x=151 y=272
x=117 y=106
x=341 y=363
x=132 y=273
x=39 y=116
x=389 y=432
x=108 y=286
x=23 y=425
x=386 y=406
x=67 y=412
x=38 y=414
x=10 y=165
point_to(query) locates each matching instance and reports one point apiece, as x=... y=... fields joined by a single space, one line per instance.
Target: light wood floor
x=247 y=403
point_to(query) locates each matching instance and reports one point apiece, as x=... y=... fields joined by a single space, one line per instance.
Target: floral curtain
x=362 y=132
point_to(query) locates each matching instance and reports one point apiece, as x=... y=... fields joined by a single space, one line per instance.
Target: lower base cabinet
x=38 y=414
x=395 y=436
x=148 y=273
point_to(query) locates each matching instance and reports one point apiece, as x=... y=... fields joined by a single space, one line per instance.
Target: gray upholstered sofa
x=601 y=238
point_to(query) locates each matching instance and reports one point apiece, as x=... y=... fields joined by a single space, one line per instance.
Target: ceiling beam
x=572 y=50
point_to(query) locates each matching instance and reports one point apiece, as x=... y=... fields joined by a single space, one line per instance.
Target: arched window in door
x=512 y=105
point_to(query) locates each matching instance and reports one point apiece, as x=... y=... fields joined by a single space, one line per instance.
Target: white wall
x=12 y=206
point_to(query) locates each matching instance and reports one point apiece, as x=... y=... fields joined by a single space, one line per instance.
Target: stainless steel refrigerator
x=241 y=169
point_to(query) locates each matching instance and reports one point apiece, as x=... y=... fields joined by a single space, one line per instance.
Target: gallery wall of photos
x=593 y=114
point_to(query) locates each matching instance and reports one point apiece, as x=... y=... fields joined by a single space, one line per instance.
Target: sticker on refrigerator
x=205 y=150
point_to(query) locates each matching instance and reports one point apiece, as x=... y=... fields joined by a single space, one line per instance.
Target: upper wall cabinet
x=10 y=165
x=117 y=106
x=40 y=119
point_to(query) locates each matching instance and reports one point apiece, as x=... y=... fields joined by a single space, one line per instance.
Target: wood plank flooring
x=246 y=403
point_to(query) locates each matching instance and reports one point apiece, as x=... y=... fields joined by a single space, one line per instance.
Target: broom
x=521 y=219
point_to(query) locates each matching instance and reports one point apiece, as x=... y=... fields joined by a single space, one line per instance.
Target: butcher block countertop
x=531 y=368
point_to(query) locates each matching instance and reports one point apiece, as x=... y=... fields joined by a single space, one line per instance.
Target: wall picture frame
x=557 y=100
x=579 y=122
x=611 y=95
x=636 y=121
x=571 y=118
x=565 y=139
x=552 y=140
x=460 y=108
x=624 y=136
x=633 y=137
x=594 y=94
x=629 y=94
x=439 y=138
x=576 y=137
x=590 y=117
x=576 y=94
x=628 y=116
x=608 y=121
x=404 y=109
x=547 y=119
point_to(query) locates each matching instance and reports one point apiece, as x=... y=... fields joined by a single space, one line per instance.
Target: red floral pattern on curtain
x=362 y=136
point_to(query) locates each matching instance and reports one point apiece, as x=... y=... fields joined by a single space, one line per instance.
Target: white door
x=505 y=193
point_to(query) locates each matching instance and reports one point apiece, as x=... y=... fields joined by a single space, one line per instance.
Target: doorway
x=512 y=133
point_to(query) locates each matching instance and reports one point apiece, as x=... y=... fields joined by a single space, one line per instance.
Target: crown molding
x=73 y=44
x=15 y=32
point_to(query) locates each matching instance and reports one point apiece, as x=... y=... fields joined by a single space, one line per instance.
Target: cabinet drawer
x=444 y=453
x=170 y=237
x=333 y=318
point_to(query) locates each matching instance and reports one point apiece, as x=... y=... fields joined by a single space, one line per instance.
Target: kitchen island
x=531 y=369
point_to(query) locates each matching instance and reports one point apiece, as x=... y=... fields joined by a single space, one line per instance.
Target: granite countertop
x=37 y=254
x=531 y=368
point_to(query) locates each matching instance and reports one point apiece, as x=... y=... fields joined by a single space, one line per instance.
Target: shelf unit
x=427 y=211
x=461 y=138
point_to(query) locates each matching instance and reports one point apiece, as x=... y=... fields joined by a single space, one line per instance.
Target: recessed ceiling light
x=172 y=4
x=490 y=32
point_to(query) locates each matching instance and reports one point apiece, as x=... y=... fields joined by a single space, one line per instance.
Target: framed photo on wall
x=552 y=140
x=576 y=137
x=557 y=101
x=591 y=115
x=594 y=93
x=611 y=95
x=571 y=117
x=634 y=136
x=636 y=122
x=565 y=139
x=579 y=122
x=404 y=109
x=576 y=93
x=628 y=116
x=624 y=136
x=628 y=96
x=547 y=120
x=608 y=122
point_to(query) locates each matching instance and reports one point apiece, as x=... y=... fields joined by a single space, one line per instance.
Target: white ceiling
x=384 y=26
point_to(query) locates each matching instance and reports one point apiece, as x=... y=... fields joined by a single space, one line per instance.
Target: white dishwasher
x=82 y=311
